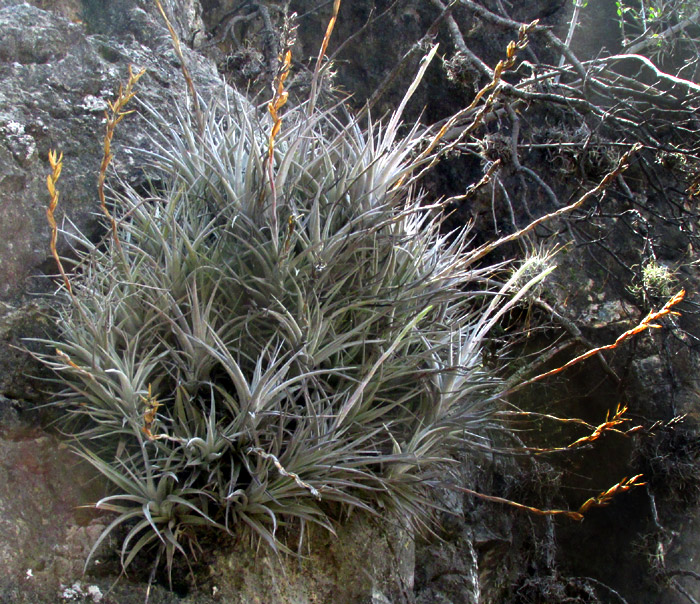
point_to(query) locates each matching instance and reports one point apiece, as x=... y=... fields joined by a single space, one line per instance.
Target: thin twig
x=573 y=329
x=648 y=63
x=678 y=587
x=371 y=19
x=487 y=15
x=683 y=573
x=458 y=40
x=622 y=165
x=515 y=120
x=570 y=34
x=647 y=41
x=199 y=116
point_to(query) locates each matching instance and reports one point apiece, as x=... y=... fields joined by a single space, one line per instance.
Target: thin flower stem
x=646 y=323
x=115 y=115
x=199 y=116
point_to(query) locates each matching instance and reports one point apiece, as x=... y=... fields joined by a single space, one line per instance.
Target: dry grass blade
x=283 y=472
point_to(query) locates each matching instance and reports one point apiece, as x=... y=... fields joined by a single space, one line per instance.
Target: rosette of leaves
x=271 y=343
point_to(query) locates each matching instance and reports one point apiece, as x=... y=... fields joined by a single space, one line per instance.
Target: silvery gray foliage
x=270 y=344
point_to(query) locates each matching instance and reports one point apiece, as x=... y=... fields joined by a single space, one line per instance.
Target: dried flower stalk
x=278 y=100
x=520 y=506
x=322 y=53
x=601 y=500
x=609 y=425
x=503 y=65
x=607 y=496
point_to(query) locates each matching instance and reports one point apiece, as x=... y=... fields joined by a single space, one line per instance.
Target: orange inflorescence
x=599 y=501
x=607 y=496
x=56 y=162
x=646 y=323
x=607 y=426
x=126 y=93
x=149 y=417
x=278 y=100
x=503 y=65
x=327 y=36
x=68 y=361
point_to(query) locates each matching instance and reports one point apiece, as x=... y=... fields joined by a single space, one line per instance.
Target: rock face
x=57 y=81
x=43 y=538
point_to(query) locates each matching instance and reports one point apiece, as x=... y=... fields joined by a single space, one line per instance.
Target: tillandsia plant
x=279 y=332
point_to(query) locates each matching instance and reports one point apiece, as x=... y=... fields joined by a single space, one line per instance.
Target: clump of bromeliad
x=280 y=331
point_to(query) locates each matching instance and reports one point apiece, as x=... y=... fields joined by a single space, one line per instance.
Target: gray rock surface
x=57 y=79
x=44 y=537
